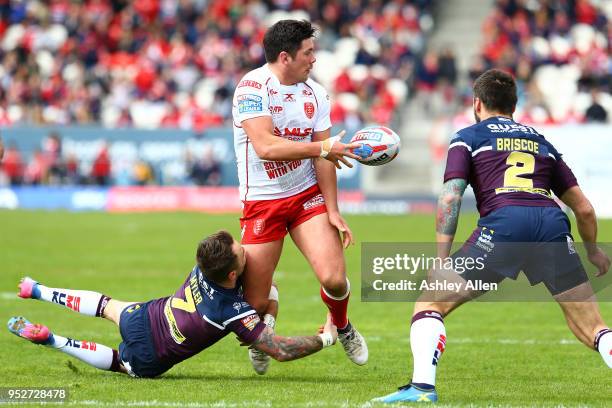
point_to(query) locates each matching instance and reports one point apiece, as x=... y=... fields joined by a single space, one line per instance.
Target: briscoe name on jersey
x=297 y=111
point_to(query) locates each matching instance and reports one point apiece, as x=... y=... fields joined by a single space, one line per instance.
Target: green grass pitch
x=498 y=354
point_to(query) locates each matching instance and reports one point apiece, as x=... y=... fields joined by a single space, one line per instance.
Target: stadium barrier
x=198 y=199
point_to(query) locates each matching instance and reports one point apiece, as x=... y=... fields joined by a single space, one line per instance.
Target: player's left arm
x=283 y=348
x=447 y=216
x=287 y=348
x=328 y=184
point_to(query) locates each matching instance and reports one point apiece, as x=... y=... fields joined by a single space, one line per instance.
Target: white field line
x=450 y=339
x=216 y=404
x=468 y=340
x=9 y=295
x=270 y=404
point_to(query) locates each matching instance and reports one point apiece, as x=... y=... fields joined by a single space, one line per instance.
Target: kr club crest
x=309 y=109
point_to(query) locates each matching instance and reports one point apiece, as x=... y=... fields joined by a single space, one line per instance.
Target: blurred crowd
x=560 y=52
x=175 y=63
x=52 y=165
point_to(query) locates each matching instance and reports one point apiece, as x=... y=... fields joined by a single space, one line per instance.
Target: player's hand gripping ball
x=379 y=145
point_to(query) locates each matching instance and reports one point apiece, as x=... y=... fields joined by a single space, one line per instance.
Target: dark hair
x=496 y=90
x=215 y=256
x=286 y=35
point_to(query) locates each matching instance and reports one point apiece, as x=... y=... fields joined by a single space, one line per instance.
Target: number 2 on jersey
x=512 y=175
x=188 y=304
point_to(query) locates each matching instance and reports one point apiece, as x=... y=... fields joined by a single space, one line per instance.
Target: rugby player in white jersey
x=286 y=157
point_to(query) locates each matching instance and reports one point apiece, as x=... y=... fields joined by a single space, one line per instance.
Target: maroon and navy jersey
x=507 y=163
x=198 y=315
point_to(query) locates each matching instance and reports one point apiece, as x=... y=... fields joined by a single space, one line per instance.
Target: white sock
x=81 y=301
x=94 y=354
x=427 y=341
x=603 y=344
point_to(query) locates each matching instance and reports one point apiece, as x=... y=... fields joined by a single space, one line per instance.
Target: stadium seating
x=559 y=51
x=152 y=63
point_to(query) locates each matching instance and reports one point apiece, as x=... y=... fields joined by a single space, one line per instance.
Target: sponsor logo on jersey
x=249 y=83
x=289 y=97
x=439 y=349
x=259 y=226
x=272 y=92
x=288 y=132
x=276 y=109
x=309 y=109
x=208 y=291
x=250 y=321
x=239 y=305
x=503 y=128
x=306 y=92
x=250 y=103
x=71 y=302
x=315 y=201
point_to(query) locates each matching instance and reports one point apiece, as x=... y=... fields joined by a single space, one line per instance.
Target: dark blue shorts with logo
x=137 y=350
x=535 y=240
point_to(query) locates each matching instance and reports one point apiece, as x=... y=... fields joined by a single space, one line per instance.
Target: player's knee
x=334 y=283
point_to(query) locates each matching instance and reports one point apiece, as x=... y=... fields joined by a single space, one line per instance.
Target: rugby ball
x=379 y=145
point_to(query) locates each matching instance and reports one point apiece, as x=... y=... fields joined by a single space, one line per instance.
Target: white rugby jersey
x=297 y=111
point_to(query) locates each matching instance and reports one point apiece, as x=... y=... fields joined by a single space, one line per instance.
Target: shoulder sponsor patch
x=250 y=103
x=250 y=321
x=249 y=83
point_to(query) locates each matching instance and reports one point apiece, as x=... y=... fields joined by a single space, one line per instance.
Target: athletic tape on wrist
x=270 y=321
x=273 y=294
x=327 y=339
x=326 y=146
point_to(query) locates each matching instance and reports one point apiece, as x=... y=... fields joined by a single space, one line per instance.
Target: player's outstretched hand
x=601 y=261
x=335 y=151
x=339 y=223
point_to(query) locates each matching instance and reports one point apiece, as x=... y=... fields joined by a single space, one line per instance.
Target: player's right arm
x=449 y=204
x=291 y=348
x=260 y=131
x=456 y=177
x=586 y=220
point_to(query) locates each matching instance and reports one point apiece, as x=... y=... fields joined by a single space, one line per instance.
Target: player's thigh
x=261 y=261
x=113 y=310
x=320 y=243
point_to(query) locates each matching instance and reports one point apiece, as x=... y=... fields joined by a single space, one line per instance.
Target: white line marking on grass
x=9 y=295
x=216 y=404
x=467 y=340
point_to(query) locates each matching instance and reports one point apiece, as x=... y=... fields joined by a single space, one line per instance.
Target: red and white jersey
x=296 y=111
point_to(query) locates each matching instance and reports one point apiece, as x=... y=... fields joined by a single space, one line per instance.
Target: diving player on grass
x=163 y=332
x=512 y=170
